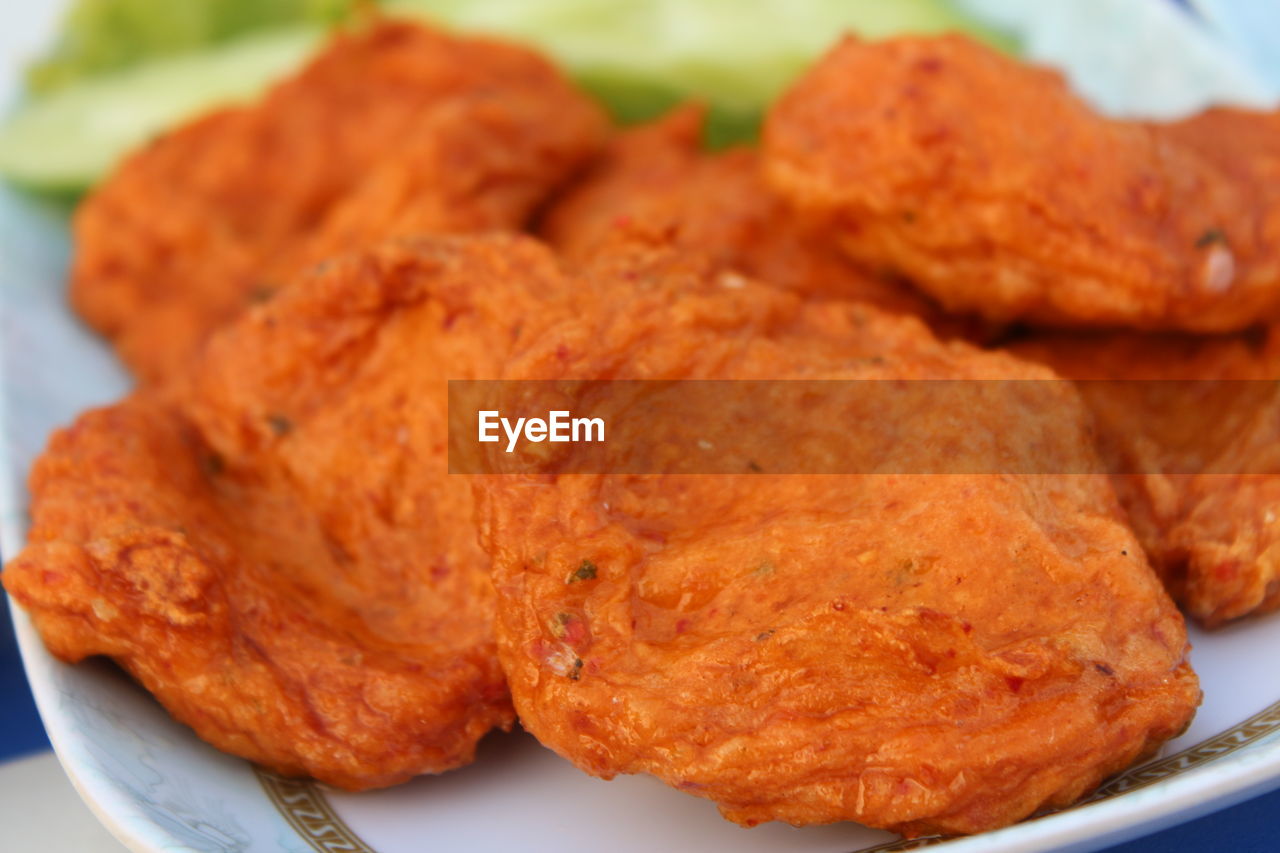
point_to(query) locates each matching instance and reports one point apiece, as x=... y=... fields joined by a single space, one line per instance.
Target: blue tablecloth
x=20 y=729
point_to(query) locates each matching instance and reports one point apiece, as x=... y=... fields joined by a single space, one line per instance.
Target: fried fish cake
x=922 y=653
x=393 y=130
x=995 y=190
x=1189 y=426
x=274 y=549
x=657 y=178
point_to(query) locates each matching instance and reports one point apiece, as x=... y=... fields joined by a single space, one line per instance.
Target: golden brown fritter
x=657 y=179
x=995 y=190
x=274 y=549
x=1169 y=407
x=394 y=130
x=921 y=653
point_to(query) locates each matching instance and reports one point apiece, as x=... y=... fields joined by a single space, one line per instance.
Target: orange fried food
x=920 y=653
x=657 y=179
x=275 y=549
x=995 y=190
x=394 y=130
x=1189 y=425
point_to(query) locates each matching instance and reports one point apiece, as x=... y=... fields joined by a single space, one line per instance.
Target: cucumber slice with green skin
x=101 y=36
x=642 y=58
x=639 y=58
x=66 y=141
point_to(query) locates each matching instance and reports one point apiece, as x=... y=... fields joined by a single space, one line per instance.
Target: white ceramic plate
x=159 y=788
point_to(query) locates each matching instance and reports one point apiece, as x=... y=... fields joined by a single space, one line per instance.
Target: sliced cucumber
x=641 y=58
x=101 y=36
x=67 y=140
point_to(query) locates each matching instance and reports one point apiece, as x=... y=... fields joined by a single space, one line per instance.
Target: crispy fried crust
x=394 y=130
x=991 y=187
x=1214 y=537
x=921 y=653
x=274 y=548
x=657 y=179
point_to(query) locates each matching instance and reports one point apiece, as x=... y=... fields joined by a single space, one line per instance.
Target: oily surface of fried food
x=393 y=130
x=274 y=549
x=658 y=179
x=920 y=653
x=1170 y=407
x=995 y=190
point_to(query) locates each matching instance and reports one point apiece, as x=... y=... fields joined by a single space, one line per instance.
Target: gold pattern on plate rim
x=304 y=806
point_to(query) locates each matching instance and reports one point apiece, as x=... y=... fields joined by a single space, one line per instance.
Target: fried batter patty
x=393 y=130
x=991 y=187
x=1190 y=426
x=657 y=179
x=274 y=548
x=944 y=653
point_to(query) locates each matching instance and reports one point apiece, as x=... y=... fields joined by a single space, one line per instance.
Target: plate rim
x=1218 y=783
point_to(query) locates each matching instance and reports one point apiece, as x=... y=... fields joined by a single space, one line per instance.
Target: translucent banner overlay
x=864 y=427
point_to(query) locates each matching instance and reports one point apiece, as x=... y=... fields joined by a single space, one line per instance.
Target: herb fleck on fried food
x=584 y=572
x=1211 y=237
x=262 y=292
x=280 y=425
x=212 y=463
